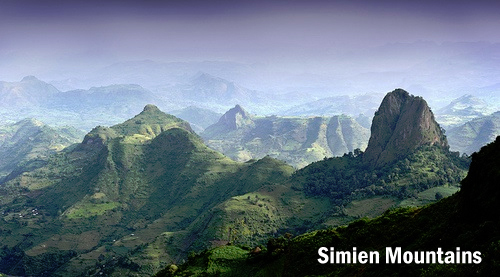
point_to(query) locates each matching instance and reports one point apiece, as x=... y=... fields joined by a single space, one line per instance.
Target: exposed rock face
x=402 y=123
x=297 y=140
x=344 y=135
x=234 y=119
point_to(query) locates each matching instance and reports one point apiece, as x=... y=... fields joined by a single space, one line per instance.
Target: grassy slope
x=248 y=219
x=122 y=194
x=468 y=219
x=28 y=143
x=153 y=197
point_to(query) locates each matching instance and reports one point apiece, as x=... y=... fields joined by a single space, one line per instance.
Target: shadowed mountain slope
x=139 y=195
x=327 y=193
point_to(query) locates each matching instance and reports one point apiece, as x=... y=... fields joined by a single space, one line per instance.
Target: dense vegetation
x=139 y=195
x=347 y=178
x=468 y=219
x=28 y=144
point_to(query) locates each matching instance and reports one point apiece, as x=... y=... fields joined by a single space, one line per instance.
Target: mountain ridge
x=474 y=134
x=123 y=187
x=29 y=143
x=296 y=140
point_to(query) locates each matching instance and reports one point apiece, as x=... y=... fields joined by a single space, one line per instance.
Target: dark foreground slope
x=468 y=220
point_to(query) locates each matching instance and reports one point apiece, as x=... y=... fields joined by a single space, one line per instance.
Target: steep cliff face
x=344 y=135
x=402 y=123
x=297 y=140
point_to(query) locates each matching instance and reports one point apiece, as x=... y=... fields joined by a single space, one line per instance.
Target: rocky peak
x=402 y=123
x=29 y=122
x=149 y=124
x=30 y=78
x=150 y=108
x=236 y=118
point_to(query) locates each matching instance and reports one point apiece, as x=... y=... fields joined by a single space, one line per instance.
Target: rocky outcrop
x=402 y=123
x=235 y=118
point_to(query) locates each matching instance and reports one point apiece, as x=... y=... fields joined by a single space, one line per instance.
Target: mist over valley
x=236 y=138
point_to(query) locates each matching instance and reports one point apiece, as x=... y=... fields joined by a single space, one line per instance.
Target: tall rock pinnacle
x=402 y=123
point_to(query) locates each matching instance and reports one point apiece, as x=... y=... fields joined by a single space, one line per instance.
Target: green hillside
x=336 y=191
x=117 y=197
x=137 y=196
x=28 y=144
x=465 y=222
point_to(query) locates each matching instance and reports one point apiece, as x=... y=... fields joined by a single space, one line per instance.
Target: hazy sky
x=35 y=34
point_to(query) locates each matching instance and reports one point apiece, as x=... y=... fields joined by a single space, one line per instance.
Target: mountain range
x=82 y=109
x=134 y=197
x=351 y=105
x=211 y=92
x=27 y=93
x=471 y=136
x=198 y=118
x=120 y=189
x=29 y=143
x=437 y=71
x=296 y=140
x=463 y=109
